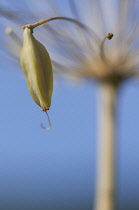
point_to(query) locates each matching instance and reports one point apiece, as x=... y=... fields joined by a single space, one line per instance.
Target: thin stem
x=105 y=183
x=32 y=26
x=102 y=53
x=83 y=26
x=87 y=41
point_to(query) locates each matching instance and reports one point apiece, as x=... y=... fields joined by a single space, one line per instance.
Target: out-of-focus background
x=56 y=169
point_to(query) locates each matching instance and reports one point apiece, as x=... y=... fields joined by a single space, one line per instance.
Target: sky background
x=56 y=169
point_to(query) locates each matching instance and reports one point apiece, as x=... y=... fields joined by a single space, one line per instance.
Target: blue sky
x=39 y=167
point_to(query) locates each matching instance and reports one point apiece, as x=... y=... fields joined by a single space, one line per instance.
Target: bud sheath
x=36 y=65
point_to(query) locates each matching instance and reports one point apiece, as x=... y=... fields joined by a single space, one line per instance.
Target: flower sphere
x=82 y=53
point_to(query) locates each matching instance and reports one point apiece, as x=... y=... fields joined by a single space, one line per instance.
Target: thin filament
x=83 y=26
x=49 y=123
x=102 y=53
x=32 y=26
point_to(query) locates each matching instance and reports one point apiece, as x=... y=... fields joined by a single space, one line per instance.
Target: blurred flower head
x=80 y=52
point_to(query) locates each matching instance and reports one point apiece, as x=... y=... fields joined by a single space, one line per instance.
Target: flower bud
x=36 y=65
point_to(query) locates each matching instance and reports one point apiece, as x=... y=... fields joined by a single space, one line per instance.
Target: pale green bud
x=37 y=68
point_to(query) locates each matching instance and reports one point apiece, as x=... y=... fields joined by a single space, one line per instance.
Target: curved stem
x=32 y=26
x=83 y=26
x=105 y=184
x=102 y=53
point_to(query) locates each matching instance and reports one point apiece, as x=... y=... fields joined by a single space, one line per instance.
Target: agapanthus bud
x=37 y=68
